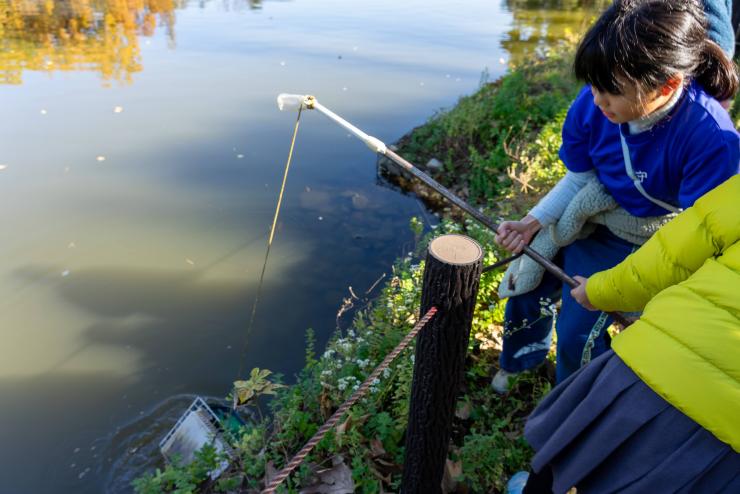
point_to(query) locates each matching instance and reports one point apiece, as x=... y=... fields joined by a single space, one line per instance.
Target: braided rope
x=301 y=455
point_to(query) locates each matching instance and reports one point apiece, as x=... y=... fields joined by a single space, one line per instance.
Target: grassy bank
x=499 y=150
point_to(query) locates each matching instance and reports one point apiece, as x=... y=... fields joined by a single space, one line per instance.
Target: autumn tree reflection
x=539 y=24
x=93 y=35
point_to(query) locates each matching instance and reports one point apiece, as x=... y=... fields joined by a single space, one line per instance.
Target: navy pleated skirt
x=604 y=430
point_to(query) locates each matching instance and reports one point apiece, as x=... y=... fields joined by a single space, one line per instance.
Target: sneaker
x=500 y=382
x=517 y=482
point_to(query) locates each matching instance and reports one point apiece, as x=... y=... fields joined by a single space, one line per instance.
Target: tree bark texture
x=439 y=366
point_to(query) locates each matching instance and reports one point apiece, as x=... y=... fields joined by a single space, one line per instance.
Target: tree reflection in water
x=538 y=24
x=103 y=35
x=92 y=35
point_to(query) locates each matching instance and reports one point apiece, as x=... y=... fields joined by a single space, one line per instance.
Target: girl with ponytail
x=649 y=128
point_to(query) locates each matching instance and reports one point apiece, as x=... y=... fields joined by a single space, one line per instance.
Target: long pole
x=306 y=101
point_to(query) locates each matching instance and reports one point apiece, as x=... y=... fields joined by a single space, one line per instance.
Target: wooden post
x=451 y=276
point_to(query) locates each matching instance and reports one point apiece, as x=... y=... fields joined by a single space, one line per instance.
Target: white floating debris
x=321 y=218
x=502 y=61
x=240 y=156
x=282 y=64
x=447 y=76
x=354 y=48
x=198 y=426
x=72 y=465
x=190 y=261
x=77 y=450
x=118 y=109
x=100 y=158
x=344 y=88
x=3 y=167
x=65 y=273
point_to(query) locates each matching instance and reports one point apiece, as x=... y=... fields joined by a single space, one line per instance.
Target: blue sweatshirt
x=683 y=156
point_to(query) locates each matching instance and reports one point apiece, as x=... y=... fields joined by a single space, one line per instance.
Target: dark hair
x=646 y=42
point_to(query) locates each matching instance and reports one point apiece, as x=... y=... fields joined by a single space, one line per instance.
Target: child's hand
x=514 y=235
x=579 y=293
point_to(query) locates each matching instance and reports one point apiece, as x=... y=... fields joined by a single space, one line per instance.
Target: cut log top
x=455 y=249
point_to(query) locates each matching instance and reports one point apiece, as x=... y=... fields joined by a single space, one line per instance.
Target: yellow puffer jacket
x=686 y=346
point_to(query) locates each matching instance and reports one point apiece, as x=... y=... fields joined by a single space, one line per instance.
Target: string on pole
x=269 y=245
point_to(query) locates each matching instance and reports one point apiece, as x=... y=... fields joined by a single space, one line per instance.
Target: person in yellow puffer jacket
x=660 y=412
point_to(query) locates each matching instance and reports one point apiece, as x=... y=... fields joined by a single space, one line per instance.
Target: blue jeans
x=582 y=335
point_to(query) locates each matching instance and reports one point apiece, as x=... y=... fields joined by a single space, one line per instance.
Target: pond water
x=141 y=154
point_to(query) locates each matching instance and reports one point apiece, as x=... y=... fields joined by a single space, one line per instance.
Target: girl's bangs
x=595 y=63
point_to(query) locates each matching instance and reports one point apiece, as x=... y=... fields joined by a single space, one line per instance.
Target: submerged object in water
x=201 y=424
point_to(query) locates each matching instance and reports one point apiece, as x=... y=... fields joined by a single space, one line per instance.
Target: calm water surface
x=141 y=152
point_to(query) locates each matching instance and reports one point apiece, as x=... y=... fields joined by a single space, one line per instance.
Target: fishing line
x=269 y=245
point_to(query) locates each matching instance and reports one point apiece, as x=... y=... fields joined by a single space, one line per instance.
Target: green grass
x=482 y=135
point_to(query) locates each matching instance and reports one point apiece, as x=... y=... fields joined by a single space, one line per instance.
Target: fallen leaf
x=453 y=470
x=376 y=448
x=342 y=428
x=334 y=480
